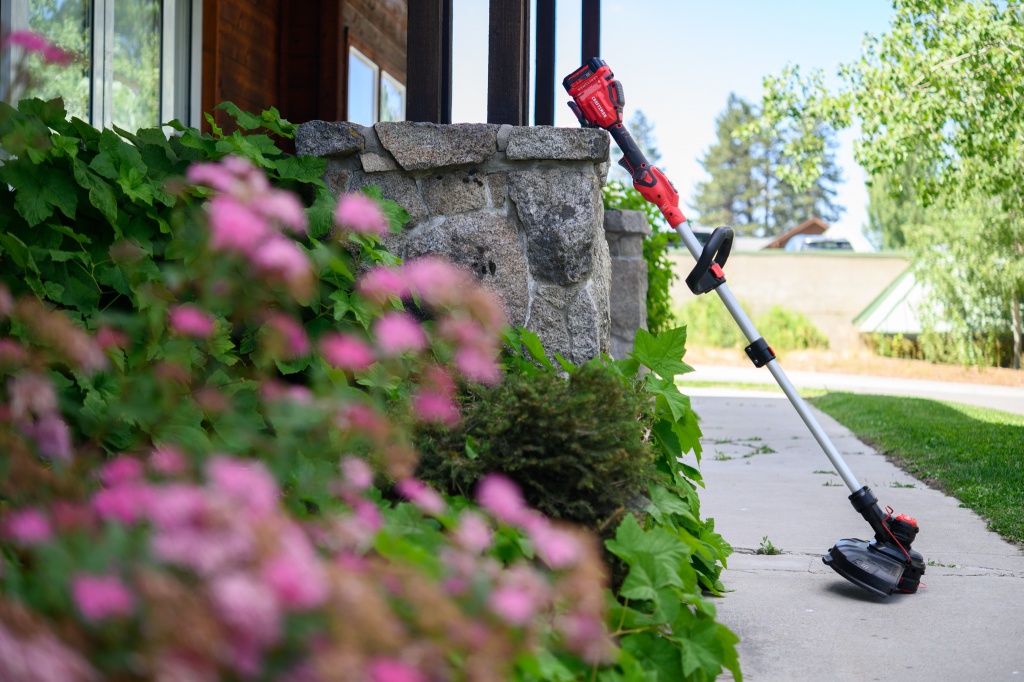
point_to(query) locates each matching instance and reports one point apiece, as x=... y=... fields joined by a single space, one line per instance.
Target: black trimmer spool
x=885 y=565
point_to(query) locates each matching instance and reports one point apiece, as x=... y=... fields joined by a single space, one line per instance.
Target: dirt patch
x=863 y=363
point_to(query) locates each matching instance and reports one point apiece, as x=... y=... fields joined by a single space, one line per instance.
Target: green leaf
x=662 y=353
x=244 y=119
x=535 y=348
x=305 y=169
x=321 y=214
x=670 y=400
x=18 y=251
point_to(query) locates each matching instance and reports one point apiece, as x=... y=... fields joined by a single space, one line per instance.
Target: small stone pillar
x=519 y=206
x=625 y=232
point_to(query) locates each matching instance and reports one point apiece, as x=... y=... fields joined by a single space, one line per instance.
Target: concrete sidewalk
x=1003 y=398
x=799 y=620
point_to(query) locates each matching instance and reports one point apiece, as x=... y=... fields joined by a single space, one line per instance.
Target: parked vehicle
x=803 y=242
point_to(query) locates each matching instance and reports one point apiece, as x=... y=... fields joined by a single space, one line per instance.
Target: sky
x=678 y=60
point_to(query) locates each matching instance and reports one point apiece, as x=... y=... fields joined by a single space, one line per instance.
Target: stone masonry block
x=560 y=215
x=457 y=192
x=324 y=138
x=396 y=186
x=486 y=244
x=419 y=146
x=630 y=222
x=628 y=304
x=567 y=144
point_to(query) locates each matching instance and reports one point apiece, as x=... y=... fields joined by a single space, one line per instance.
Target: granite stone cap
x=561 y=144
x=326 y=138
x=627 y=222
x=418 y=146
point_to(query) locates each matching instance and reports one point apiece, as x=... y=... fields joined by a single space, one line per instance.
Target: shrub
x=710 y=323
x=575 y=446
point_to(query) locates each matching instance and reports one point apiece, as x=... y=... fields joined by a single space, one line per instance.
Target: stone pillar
x=625 y=232
x=520 y=207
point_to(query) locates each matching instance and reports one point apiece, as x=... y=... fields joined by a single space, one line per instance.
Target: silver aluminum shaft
x=747 y=327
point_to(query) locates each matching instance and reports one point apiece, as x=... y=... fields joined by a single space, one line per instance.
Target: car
x=803 y=242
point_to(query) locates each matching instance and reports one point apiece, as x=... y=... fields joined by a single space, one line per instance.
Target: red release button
x=717 y=271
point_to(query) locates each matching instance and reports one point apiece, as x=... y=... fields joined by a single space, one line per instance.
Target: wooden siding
x=294 y=56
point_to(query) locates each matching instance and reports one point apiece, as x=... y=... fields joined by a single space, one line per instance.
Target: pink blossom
x=368 y=515
x=33 y=42
x=359 y=417
x=247 y=605
x=478 y=365
x=121 y=469
x=360 y=214
x=124 y=503
x=432 y=406
x=292 y=332
x=219 y=176
x=380 y=284
x=28 y=526
x=473 y=532
x=235 y=227
x=52 y=437
x=357 y=472
x=501 y=497
x=297 y=580
x=585 y=634
x=559 y=549
x=438 y=379
x=421 y=495
x=11 y=352
x=393 y=670
x=176 y=505
x=247 y=483
x=190 y=320
x=205 y=550
x=281 y=256
x=398 y=332
x=36 y=655
x=274 y=390
x=512 y=604
x=437 y=281
x=107 y=337
x=167 y=461
x=346 y=352
x=284 y=207
x=32 y=394
x=99 y=597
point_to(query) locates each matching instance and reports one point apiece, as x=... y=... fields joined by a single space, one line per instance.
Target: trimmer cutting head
x=887 y=564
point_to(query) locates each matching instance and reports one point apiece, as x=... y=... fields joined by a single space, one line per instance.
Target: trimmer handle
x=598 y=99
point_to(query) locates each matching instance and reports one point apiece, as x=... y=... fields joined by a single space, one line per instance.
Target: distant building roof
x=813 y=226
x=897 y=310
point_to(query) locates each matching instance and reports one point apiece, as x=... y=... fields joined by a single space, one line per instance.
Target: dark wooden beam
x=508 y=62
x=428 y=61
x=544 y=90
x=591 y=45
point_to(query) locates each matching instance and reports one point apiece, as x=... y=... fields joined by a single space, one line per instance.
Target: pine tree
x=745 y=191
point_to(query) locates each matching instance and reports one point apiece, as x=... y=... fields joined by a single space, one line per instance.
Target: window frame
x=180 y=64
x=353 y=51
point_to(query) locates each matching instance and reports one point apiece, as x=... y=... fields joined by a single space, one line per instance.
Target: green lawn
x=974 y=454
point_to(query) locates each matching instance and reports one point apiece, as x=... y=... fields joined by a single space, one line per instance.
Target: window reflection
x=392 y=98
x=362 y=89
x=136 y=59
x=68 y=25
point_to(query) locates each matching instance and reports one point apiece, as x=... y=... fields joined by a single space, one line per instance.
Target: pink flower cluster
x=360 y=214
x=190 y=320
x=244 y=216
x=258 y=565
x=469 y=317
x=33 y=407
x=33 y=42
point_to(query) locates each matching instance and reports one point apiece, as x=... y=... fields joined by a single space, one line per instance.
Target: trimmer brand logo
x=597 y=103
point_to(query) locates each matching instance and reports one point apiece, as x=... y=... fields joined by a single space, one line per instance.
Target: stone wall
x=625 y=232
x=520 y=207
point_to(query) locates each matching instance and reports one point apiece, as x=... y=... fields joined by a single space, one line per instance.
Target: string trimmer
x=882 y=566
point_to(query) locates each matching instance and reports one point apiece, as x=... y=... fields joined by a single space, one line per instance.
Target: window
x=138 y=60
x=373 y=94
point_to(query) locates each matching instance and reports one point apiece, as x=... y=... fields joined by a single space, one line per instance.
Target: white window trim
x=180 y=98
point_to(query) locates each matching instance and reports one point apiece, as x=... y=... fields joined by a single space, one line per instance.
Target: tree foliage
x=748 y=188
x=944 y=86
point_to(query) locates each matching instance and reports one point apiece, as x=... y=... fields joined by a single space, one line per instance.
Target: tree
x=894 y=208
x=746 y=189
x=944 y=85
